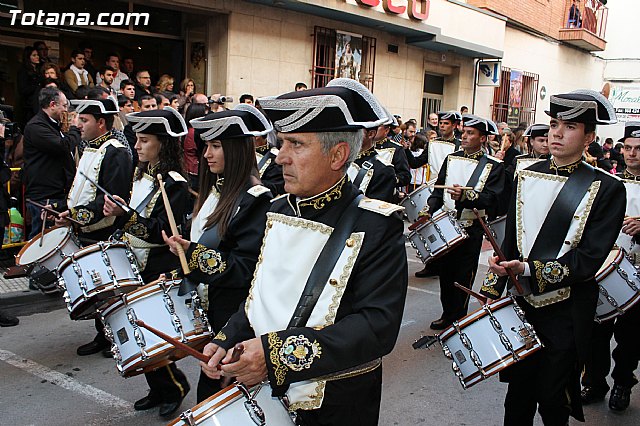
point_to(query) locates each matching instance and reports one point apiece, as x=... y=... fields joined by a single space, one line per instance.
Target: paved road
x=43 y=382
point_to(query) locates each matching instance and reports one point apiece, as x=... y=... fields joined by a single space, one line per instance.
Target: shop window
x=514 y=101
x=324 y=58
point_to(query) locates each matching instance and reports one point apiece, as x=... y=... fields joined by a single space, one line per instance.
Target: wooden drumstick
x=174 y=228
x=470 y=292
x=178 y=344
x=44 y=224
x=496 y=248
x=463 y=188
x=52 y=211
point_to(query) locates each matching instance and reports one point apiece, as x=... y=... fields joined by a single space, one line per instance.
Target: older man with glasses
x=143 y=84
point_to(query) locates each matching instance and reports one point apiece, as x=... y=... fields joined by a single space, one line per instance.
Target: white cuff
x=527 y=272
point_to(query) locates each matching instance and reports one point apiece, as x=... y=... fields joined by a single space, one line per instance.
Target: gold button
x=351 y=242
x=333 y=282
x=576 y=217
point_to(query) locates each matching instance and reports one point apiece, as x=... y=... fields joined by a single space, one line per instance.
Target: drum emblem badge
x=95 y=277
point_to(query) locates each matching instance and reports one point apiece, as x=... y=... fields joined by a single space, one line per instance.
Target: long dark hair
x=239 y=165
x=170 y=159
x=26 y=59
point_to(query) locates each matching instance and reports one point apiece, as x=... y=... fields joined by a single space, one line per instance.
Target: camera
x=222 y=99
x=11 y=129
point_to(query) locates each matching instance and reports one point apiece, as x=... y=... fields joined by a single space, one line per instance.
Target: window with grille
x=500 y=107
x=324 y=58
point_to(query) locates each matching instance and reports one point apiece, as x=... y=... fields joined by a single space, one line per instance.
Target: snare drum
x=618 y=284
x=488 y=340
x=136 y=349
x=437 y=236
x=416 y=201
x=497 y=228
x=238 y=406
x=96 y=273
x=56 y=244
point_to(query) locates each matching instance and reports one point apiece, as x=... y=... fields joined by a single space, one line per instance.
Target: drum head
x=613 y=255
x=33 y=252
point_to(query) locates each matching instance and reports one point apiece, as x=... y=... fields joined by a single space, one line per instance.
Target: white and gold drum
x=488 y=340
x=415 y=202
x=237 y=405
x=48 y=249
x=136 y=349
x=618 y=284
x=95 y=274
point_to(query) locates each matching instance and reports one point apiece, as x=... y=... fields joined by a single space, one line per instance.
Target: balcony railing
x=585 y=24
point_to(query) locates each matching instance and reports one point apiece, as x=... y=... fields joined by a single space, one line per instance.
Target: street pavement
x=44 y=382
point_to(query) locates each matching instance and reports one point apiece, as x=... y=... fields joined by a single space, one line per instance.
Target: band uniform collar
x=568 y=168
x=475 y=155
x=97 y=142
x=263 y=149
x=630 y=176
x=368 y=153
x=322 y=200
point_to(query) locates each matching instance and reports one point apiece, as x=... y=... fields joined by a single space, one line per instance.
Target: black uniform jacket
x=423 y=158
x=368 y=318
x=577 y=267
x=272 y=176
x=471 y=199
x=400 y=164
x=228 y=270
x=116 y=172
x=149 y=229
x=382 y=185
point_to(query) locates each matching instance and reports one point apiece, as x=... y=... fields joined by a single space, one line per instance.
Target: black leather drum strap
x=477 y=172
x=366 y=166
x=555 y=227
x=324 y=265
x=146 y=200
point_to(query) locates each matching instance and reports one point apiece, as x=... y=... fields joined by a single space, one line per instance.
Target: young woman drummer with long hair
x=229 y=216
x=160 y=153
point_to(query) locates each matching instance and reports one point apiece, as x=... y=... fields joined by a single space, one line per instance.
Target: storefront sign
x=489 y=73
x=626 y=101
x=415 y=9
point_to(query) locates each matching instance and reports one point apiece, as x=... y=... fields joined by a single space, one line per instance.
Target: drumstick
x=178 y=344
x=194 y=193
x=235 y=357
x=496 y=248
x=52 y=211
x=44 y=224
x=124 y=207
x=174 y=228
x=632 y=217
x=470 y=292
x=463 y=188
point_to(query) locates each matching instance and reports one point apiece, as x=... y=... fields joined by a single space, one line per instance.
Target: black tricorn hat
x=493 y=128
x=631 y=130
x=162 y=122
x=243 y=120
x=343 y=105
x=582 y=106
x=449 y=115
x=470 y=120
x=536 y=130
x=105 y=106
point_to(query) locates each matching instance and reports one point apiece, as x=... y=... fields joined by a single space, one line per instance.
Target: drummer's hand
x=211 y=368
x=174 y=241
x=62 y=219
x=631 y=226
x=424 y=213
x=500 y=268
x=251 y=369
x=456 y=193
x=110 y=208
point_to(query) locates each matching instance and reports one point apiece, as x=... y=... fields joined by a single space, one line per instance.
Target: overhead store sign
x=626 y=101
x=415 y=9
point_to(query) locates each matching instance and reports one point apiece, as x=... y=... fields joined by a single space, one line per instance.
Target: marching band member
x=437 y=150
x=270 y=172
x=623 y=327
x=538 y=141
x=563 y=219
x=323 y=351
x=107 y=162
x=469 y=167
x=230 y=215
x=159 y=152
